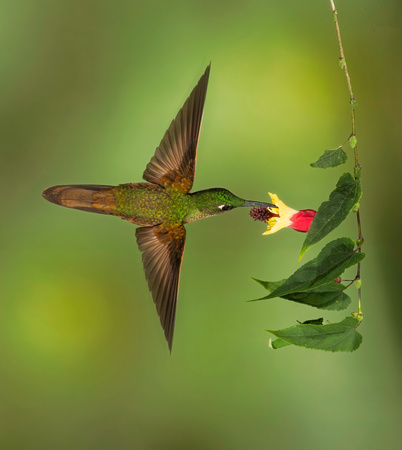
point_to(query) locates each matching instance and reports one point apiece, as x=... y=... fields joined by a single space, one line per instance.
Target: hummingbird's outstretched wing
x=162 y=253
x=175 y=158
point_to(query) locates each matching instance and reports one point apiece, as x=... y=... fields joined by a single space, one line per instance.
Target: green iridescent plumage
x=147 y=204
x=162 y=206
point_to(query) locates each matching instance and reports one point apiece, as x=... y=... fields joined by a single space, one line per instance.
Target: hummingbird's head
x=218 y=200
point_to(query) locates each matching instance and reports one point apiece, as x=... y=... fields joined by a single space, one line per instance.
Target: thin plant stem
x=344 y=65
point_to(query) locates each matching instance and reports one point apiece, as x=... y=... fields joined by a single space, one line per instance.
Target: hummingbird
x=162 y=205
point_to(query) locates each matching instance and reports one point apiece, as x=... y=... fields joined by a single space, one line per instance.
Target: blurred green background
x=87 y=90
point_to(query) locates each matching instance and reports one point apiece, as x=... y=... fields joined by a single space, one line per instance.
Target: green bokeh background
x=87 y=90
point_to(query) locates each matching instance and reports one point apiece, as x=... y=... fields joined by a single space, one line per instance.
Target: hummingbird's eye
x=225 y=207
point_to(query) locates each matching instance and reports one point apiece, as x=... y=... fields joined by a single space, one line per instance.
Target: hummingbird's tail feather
x=85 y=197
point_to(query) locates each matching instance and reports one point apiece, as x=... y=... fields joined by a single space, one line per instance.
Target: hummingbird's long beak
x=258 y=204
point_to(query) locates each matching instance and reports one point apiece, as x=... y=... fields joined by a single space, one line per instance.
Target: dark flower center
x=262 y=214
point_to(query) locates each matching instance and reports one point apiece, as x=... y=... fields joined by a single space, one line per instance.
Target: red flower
x=302 y=220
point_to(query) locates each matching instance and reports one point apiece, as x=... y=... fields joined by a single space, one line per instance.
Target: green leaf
x=333 y=259
x=353 y=141
x=329 y=296
x=330 y=158
x=334 y=337
x=269 y=285
x=319 y=321
x=278 y=343
x=334 y=211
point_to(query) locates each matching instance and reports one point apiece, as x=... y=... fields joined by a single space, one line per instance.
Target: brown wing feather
x=175 y=158
x=162 y=253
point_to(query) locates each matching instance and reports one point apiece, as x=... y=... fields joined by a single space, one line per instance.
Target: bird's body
x=162 y=206
x=145 y=204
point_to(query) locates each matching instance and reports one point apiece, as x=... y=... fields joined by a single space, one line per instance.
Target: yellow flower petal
x=285 y=213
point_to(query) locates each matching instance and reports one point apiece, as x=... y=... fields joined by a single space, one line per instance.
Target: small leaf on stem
x=353 y=141
x=330 y=158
